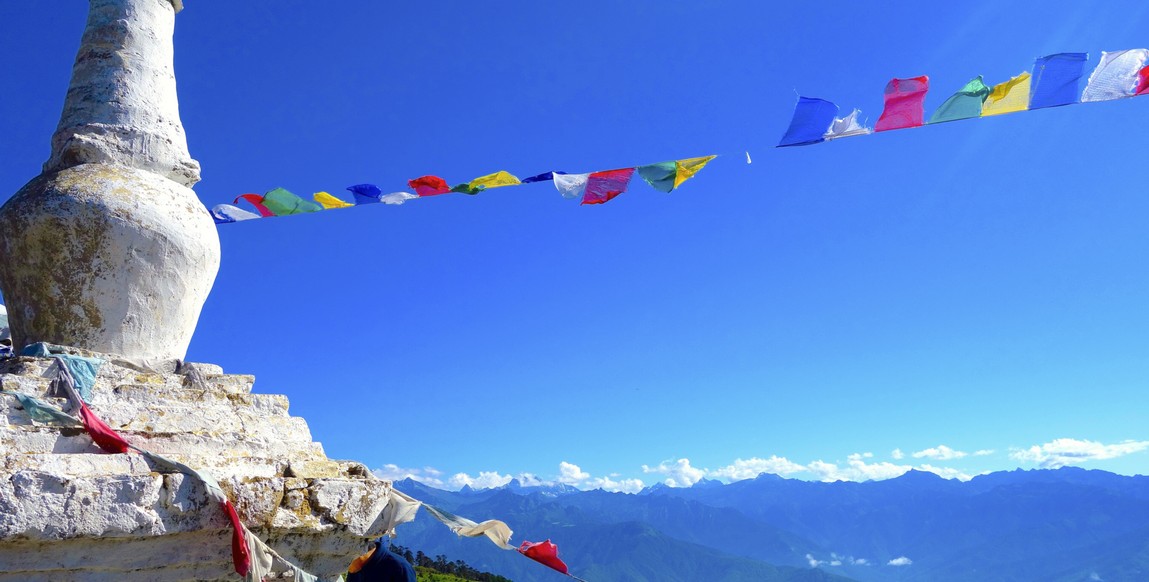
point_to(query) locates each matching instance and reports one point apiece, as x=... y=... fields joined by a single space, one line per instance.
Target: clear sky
x=966 y=297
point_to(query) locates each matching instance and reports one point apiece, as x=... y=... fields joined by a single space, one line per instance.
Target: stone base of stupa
x=70 y=512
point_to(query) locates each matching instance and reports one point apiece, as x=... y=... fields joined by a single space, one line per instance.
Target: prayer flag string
x=1054 y=81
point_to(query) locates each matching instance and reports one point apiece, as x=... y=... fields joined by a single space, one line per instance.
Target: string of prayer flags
x=1057 y=80
x=904 y=99
x=666 y=176
x=811 y=122
x=1008 y=97
x=1116 y=77
x=847 y=126
x=1054 y=81
x=964 y=104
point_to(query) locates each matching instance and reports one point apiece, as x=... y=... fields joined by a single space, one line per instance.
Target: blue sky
x=964 y=298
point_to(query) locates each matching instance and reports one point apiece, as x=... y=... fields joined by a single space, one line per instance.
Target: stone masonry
x=69 y=512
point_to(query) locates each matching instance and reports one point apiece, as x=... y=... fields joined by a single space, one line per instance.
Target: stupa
x=110 y=253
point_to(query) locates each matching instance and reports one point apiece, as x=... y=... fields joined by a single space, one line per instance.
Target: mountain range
x=1066 y=524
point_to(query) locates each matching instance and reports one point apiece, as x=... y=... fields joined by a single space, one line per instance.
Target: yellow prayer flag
x=689 y=167
x=495 y=180
x=1008 y=97
x=328 y=201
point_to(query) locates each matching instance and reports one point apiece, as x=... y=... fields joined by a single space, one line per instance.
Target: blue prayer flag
x=544 y=177
x=812 y=119
x=1056 y=80
x=365 y=193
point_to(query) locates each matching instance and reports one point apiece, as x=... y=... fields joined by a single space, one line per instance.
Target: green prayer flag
x=964 y=104
x=660 y=176
x=282 y=203
x=467 y=188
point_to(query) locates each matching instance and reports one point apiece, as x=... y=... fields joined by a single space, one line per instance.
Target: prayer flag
x=226 y=213
x=571 y=185
x=1008 y=97
x=284 y=203
x=666 y=176
x=601 y=187
x=328 y=201
x=396 y=197
x=1056 y=79
x=964 y=104
x=495 y=530
x=660 y=176
x=1116 y=76
x=545 y=553
x=429 y=186
x=108 y=440
x=257 y=201
x=240 y=555
x=544 y=177
x=365 y=193
x=812 y=119
x=689 y=167
x=42 y=412
x=903 y=99
x=1143 y=81
x=467 y=189
x=496 y=180
x=845 y=127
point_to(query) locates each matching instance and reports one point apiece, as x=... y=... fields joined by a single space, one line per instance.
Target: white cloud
x=1094 y=576
x=940 y=453
x=813 y=562
x=902 y=561
x=856 y=469
x=749 y=468
x=427 y=475
x=984 y=452
x=485 y=480
x=571 y=474
x=678 y=473
x=898 y=454
x=1061 y=452
x=860 y=562
x=608 y=484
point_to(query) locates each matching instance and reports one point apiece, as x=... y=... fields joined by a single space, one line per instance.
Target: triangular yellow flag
x=689 y=167
x=495 y=180
x=1008 y=97
x=328 y=201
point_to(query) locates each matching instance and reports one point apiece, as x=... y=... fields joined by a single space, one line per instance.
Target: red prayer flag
x=108 y=440
x=904 y=99
x=257 y=201
x=429 y=186
x=544 y=553
x=239 y=554
x=602 y=186
x=1143 y=82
